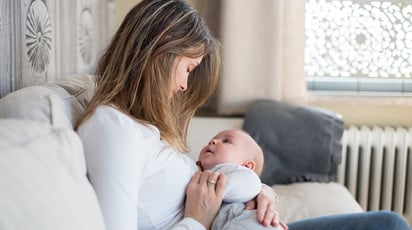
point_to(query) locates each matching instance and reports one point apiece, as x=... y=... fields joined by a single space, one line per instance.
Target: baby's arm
x=242 y=183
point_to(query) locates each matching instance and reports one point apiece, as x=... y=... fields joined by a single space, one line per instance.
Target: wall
x=121 y=9
x=123 y=6
x=369 y=110
x=355 y=110
x=41 y=40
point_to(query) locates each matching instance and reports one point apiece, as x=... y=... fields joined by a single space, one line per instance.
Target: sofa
x=43 y=175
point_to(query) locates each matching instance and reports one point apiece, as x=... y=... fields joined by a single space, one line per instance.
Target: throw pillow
x=300 y=143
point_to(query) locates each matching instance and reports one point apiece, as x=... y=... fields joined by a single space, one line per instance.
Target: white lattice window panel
x=359 y=40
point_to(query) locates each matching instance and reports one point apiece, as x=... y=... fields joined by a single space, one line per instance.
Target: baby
x=236 y=154
x=239 y=157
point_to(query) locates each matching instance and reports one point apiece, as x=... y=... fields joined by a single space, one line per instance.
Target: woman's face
x=182 y=67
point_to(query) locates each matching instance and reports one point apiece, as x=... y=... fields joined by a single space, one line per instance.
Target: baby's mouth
x=208 y=150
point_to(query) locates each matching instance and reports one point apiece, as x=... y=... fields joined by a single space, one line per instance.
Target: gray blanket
x=300 y=143
x=235 y=217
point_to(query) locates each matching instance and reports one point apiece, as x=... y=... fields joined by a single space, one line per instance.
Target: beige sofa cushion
x=80 y=86
x=59 y=103
x=299 y=201
x=43 y=179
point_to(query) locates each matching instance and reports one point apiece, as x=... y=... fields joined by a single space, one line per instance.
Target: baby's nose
x=213 y=142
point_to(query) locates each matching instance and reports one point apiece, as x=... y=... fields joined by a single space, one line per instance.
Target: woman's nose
x=183 y=87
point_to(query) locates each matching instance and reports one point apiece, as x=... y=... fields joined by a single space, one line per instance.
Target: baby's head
x=232 y=146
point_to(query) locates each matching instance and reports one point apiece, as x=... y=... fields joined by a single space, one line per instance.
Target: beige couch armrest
x=311 y=199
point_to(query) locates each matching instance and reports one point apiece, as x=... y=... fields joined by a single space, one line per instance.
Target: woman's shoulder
x=115 y=120
x=107 y=112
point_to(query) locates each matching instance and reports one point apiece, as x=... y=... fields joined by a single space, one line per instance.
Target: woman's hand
x=204 y=196
x=266 y=204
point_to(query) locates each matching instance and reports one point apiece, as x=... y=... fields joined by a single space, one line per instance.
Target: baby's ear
x=199 y=164
x=249 y=164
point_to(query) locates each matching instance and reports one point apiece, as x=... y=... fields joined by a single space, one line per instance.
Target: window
x=359 y=47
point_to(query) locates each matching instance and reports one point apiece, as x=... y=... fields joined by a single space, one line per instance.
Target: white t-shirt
x=140 y=181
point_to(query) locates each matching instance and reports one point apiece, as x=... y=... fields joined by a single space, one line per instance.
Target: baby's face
x=229 y=146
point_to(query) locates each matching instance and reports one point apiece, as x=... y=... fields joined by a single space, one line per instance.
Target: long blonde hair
x=134 y=72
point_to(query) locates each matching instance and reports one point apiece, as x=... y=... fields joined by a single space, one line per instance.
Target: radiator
x=377 y=167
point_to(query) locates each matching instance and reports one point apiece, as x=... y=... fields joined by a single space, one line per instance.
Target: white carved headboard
x=41 y=40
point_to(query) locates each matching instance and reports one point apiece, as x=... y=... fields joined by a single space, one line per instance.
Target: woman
x=160 y=67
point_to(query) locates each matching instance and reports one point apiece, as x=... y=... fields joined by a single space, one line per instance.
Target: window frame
x=361 y=86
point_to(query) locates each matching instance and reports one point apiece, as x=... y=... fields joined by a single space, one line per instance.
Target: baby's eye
x=226 y=141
